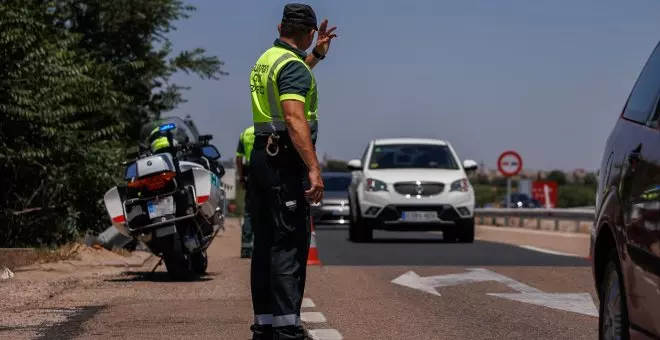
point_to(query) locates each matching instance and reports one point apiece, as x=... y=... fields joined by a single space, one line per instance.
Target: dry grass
x=20 y=257
x=121 y=251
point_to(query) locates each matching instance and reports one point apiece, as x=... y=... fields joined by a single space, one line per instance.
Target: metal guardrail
x=576 y=215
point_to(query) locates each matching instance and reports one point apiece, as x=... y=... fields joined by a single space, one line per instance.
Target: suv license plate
x=419 y=216
x=160 y=207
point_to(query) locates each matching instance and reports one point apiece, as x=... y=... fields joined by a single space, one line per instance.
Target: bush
x=77 y=80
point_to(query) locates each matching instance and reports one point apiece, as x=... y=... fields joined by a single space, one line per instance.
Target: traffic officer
x=243 y=151
x=284 y=111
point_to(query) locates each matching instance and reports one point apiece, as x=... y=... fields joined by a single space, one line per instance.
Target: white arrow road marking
x=308 y=303
x=315 y=317
x=578 y=303
x=429 y=284
x=325 y=334
x=414 y=281
x=571 y=302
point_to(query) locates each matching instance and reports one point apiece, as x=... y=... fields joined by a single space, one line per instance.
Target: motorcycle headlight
x=460 y=185
x=375 y=185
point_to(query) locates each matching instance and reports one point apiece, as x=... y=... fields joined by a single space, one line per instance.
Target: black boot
x=261 y=332
x=246 y=253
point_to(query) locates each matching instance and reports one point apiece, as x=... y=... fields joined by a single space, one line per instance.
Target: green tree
x=557 y=176
x=590 y=180
x=482 y=179
x=77 y=80
x=59 y=115
x=486 y=194
x=570 y=196
x=126 y=34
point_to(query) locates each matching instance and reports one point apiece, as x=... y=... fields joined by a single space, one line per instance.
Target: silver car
x=334 y=207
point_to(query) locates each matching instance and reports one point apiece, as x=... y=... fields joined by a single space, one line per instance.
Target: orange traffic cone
x=313 y=257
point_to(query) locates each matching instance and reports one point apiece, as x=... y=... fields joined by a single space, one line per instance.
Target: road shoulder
x=562 y=242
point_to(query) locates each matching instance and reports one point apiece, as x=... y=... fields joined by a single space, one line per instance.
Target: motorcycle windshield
x=182 y=133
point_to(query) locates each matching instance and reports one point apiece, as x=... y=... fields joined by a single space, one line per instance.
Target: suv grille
x=421 y=188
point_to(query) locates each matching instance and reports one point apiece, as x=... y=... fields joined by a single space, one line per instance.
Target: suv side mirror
x=354 y=165
x=210 y=152
x=470 y=165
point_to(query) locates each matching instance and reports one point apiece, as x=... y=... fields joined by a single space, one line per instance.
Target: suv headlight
x=460 y=185
x=375 y=185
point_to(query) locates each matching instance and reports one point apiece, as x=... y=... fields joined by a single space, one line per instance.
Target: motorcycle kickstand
x=156 y=266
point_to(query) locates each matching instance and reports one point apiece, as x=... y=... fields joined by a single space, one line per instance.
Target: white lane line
x=315 y=317
x=308 y=303
x=547 y=251
x=325 y=334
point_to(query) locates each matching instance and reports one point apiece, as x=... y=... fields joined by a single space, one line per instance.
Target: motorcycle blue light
x=167 y=127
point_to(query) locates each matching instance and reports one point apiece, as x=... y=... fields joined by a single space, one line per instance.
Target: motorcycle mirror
x=210 y=152
x=205 y=138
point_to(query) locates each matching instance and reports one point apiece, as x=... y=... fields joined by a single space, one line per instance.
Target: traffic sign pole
x=508 y=193
x=509 y=164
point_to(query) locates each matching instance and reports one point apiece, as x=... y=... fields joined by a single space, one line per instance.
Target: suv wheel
x=358 y=230
x=613 y=320
x=450 y=235
x=466 y=230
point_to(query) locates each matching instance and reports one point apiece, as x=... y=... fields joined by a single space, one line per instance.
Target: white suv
x=411 y=184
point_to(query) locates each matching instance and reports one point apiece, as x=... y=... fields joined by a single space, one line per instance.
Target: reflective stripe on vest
x=266 y=107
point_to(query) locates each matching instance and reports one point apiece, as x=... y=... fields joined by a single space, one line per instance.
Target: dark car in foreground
x=625 y=238
x=334 y=207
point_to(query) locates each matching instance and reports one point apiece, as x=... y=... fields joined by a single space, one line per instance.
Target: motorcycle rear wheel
x=177 y=261
x=200 y=262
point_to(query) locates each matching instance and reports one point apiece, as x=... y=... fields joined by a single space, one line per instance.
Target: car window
x=412 y=156
x=332 y=183
x=364 y=154
x=643 y=96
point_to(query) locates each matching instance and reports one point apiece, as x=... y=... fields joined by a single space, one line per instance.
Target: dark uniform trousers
x=280 y=220
x=246 y=230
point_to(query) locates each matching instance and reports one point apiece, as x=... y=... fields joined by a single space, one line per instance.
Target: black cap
x=301 y=14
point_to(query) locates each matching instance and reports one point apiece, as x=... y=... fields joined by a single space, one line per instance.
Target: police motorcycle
x=173 y=200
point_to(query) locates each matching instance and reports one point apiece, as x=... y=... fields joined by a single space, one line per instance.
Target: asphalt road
x=356 y=291
x=351 y=296
x=427 y=249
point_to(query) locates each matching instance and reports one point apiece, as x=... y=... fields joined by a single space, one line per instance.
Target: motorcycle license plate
x=160 y=207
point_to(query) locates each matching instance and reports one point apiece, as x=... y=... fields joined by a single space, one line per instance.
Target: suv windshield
x=412 y=156
x=335 y=183
x=182 y=132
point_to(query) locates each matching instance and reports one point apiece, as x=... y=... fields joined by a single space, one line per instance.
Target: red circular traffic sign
x=509 y=163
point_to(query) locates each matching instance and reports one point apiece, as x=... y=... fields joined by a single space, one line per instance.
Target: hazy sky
x=546 y=78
